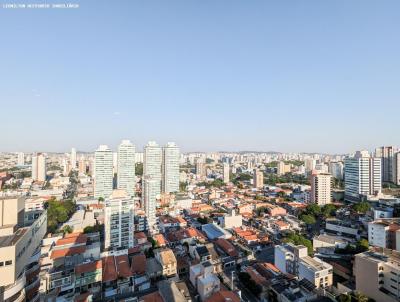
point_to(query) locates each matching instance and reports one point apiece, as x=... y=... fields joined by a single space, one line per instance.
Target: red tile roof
x=109 y=270
x=159 y=238
x=138 y=266
x=223 y=296
x=192 y=232
x=82 y=297
x=180 y=220
x=55 y=254
x=123 y=267
x=73 y=238
x=256 y=276
x=88 y=267
x=227 y=247
x=134 y=250
x=140 y=235
x=153 y=297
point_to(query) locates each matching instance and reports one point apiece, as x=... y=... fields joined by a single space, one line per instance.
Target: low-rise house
x=202 y=254
x=291 y=259
x=160 y=240
x=227 y=247
x=88 y=279
x=167 y=260
x=204 y=279
x=325 y=243
x=138 y=268
x=343 y=228
x=117 y=275
x=140 y=238
x=223 y=296
x=213 y=231
x=280 y=225
x=63 y=257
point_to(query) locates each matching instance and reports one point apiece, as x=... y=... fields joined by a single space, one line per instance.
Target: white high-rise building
x=103 y=172
x=151 y=189
x=73 y=158
x=21 y=159
x=126 y=179
x=309 y=164
x=321 y=188
x=363 y=176
x=115 y=162
x=397 y=168
x=225 y=173
x=170 y=168
x=387 y=154
x=138 y=157
x=336 y=169
x=152 y=162
x=39 y=167
x=34 y=167
x=119 y=220
x=41 y=159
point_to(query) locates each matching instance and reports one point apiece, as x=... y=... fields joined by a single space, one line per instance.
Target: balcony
x=32 y=290
x=34 y=284
x=35 y=257
x=59 y=279
x=13 y=289
x=30 y=273
x=89 y=279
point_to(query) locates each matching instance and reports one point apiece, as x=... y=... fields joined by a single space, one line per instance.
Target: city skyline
x=310 y=77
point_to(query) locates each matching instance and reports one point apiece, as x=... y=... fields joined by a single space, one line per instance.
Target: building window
x=8 y=262
x=1 y=263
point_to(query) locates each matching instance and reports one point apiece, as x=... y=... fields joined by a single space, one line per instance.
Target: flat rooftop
x=315 y=264
x=12 y=239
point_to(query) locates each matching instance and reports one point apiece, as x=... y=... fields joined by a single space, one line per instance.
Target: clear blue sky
x=289 y=76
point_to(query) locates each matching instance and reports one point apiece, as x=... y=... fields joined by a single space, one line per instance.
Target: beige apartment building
x=19 y=251
x=321 y=188
x=283 y=168
x=377 y=274
x=258 y=179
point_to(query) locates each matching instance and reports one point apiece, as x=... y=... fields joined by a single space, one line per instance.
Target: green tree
x=58 y=211
x=261 y=210
x=362 y=245
x=344 y=298
x=298 y=239
x=203 y=220
x=361 y=297
x=139 y=169
x=361 y=207
x=182 y=186
x=67 y=229
x=313 y=209
x=93 y=229
x=308 y=219
x=328 y=210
